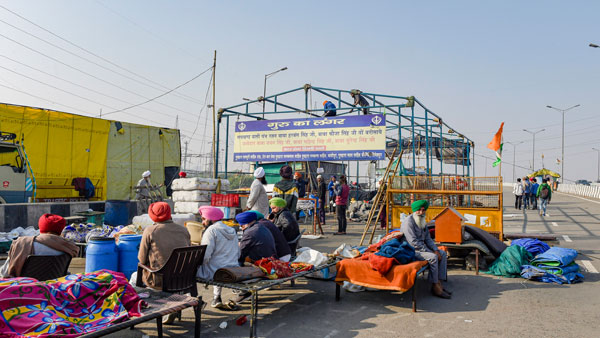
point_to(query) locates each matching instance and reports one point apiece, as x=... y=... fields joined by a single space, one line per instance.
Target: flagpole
x=500 y=167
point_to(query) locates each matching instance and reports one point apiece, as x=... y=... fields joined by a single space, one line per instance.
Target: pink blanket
x=67 y=307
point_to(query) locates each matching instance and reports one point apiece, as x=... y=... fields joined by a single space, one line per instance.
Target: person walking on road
x=545 y=194
x=341 y=204
x=518 y=192
x=526 y=192
x=534 y=189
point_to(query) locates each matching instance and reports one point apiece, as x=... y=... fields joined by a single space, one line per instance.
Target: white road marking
x=588 y=266
x=566 y=238
x=554 y=224
x=332 y=333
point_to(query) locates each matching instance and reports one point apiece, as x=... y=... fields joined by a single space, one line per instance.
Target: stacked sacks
x=557 y=265
x=189 y=194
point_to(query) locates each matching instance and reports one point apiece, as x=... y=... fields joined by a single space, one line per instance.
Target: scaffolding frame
x=405 y=116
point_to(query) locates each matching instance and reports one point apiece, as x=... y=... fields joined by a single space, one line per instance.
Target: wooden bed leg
x=477 y=262
x=198 y=319
x=414 y=295
x=337 y=292
x=159 y=326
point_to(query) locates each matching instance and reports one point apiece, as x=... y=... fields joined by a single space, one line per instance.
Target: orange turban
x=159 y=212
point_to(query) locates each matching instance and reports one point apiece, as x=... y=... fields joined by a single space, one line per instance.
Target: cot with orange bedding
x=400 y=277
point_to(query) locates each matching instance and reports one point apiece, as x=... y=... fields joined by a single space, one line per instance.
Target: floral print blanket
x=66 y=307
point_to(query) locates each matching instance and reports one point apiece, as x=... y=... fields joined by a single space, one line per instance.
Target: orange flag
x=497 y=140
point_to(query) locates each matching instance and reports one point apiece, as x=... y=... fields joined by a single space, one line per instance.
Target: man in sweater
x=258 y=199
x=321 y=195
x=48 y=243
x=281 y=245
x=417 y=235
x=287 y=189
x=284 y=221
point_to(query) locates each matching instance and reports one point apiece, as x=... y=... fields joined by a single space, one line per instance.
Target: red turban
x=182 y=174
x=159 y=212
x=51 y=223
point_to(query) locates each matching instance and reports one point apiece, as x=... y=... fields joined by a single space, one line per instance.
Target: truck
x=15 y=183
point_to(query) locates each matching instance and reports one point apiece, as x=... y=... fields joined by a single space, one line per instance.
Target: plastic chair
x=46 y=267
x=179 y=276
x=196 y=229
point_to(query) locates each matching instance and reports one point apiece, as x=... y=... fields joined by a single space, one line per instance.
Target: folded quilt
x=555 y=256
x=65 y=307
x=237 y=274
x=400 y=250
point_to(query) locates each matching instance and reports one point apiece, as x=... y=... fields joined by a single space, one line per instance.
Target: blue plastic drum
x=116 y=212
x=101 y=253
x=128 y=247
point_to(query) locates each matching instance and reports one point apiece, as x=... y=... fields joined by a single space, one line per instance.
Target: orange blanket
x=359 y=272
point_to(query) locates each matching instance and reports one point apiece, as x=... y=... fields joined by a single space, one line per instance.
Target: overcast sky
x=475 y=63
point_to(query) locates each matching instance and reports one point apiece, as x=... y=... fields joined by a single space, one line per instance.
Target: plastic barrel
x=101 y=253
x=116 y=212
x=128 y=247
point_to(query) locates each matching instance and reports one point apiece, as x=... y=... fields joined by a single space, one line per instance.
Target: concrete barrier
x=27 y=214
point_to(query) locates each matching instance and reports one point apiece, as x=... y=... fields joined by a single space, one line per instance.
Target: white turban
x=259 y=172
x=146 y=173
x=319 y=177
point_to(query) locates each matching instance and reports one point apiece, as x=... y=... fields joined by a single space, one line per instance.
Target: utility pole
x=514 y=156
x=185 y=156
x=214 y=152
x=598 y=151
x=533 y=154
x=177 y=122
x=562 y=158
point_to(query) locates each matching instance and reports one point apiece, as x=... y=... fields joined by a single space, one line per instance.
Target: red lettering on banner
x=5 y=184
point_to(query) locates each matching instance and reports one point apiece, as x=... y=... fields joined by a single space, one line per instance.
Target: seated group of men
x=262 y=238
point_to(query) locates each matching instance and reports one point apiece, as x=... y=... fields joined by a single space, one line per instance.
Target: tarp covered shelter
x=544 y=172
x=112 y=154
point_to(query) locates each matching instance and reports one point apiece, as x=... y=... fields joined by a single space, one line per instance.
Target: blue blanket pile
x=556 y=265
x=533 y=245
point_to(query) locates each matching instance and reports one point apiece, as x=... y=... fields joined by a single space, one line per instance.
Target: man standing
x=286 y=188
x=321 y=193
x=526 y=192
x=534 y=189
x=342 y=191
x=359 y=100
x=518 y=192
x=330 y=187
x=301 y=186
x=545 y=194
x=416 y=234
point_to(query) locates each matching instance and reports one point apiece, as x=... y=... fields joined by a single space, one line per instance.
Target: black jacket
x=281 y=245
x=257 y=242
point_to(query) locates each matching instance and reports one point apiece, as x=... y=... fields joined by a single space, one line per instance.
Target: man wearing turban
x=258 y=199
x=48 y=243
x=285 y=221
x=143 y=190
x=287 y=189
x=417 y=235
x=158 y=242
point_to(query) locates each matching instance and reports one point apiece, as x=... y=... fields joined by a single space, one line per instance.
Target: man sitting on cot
x=48 y=243
x=281 y=245
x=416 y=234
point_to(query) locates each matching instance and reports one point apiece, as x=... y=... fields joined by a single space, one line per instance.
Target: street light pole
x=533 y=155
x=514 y=156
x=598 y=151
x=562 y=158
x=265 y=87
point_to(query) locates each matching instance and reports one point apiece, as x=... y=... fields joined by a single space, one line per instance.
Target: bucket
x=128 y=247
x=116 y=212
x=101 y=253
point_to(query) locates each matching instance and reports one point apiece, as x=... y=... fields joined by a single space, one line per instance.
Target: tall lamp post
x=514 y=155
x=562 y=156
x=265 y=88
x=598 y=151
x=533 y=155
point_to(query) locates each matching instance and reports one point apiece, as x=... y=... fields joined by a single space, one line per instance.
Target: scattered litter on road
x=223 y=325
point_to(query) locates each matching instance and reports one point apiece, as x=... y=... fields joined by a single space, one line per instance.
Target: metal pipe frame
x=421 y=121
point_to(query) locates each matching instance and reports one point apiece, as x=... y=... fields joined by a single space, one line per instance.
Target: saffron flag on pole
x=496 y=145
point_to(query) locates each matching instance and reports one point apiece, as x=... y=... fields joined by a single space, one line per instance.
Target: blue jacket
x=257 y=242
x=534 y=188
x=329 y=109
x=330 y=188
x=527 y=188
